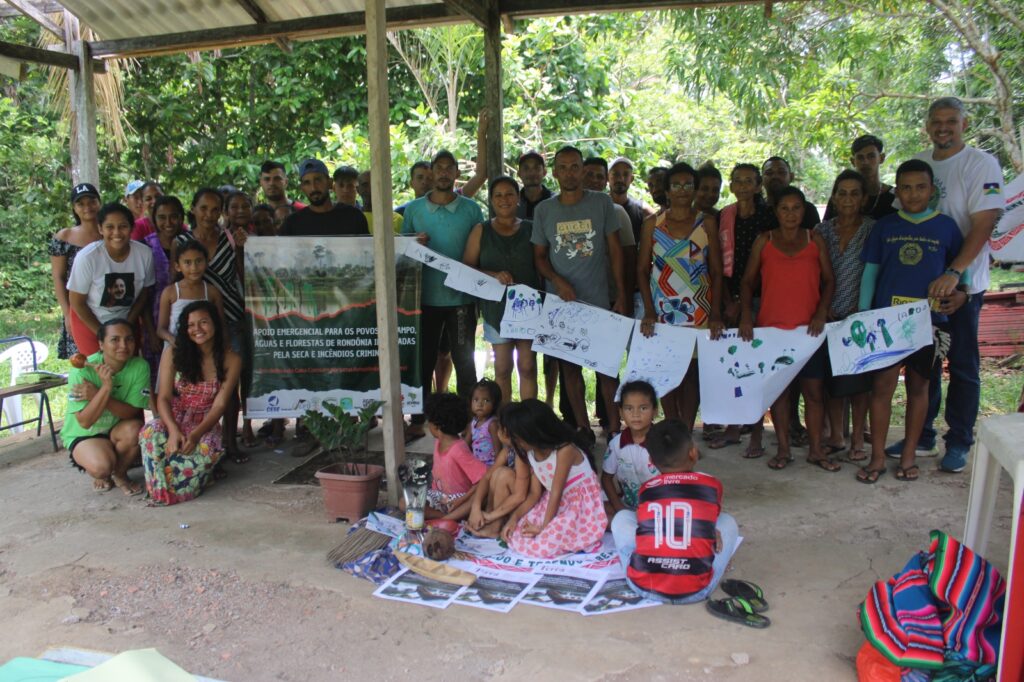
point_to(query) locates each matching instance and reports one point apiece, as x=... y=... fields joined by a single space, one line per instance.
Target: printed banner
x=583 y=334
x=874 y=339
x=1007 y=239
x=739 y=380
x=523 y=317
x=662 y=359
x=312 y=309
x=414 y=588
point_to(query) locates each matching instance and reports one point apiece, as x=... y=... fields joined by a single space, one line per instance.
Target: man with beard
x=656 y=187
x=442 y=220
x=620 y=176
x=777 y=176
x=274 y=182
x=531 y=174
x=322 y=218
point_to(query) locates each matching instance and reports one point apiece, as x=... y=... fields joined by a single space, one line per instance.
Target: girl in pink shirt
x=455 y=469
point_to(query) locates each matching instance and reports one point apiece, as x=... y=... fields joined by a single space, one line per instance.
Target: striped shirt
x=221 y=273
x=675 y=537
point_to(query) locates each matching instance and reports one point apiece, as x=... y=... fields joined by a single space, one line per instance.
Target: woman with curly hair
x=198 y=377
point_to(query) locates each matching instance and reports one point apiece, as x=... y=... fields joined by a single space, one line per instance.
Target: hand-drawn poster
x=312 y=309
x=583 y=334
x=495 y=590
x=1007 y=239
x=460 y=277
x=874 y=339
x=662 y=359
x=566 y=589
x=522 y=317
x=615 y=595
x=414 y=588
x=739 y=380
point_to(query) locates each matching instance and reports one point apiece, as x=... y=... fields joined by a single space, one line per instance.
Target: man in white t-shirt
x=968 y=188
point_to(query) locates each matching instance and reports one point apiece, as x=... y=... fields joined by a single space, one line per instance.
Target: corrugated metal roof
x=116 y=19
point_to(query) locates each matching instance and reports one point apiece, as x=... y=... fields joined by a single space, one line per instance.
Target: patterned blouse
x=66 y=344
x=846 y=265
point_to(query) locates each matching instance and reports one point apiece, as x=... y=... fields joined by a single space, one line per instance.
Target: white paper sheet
x=413 y=588
x=494 y=590
x=740 y=380
x=523 y=312
x=583 y=334
x=874 y=339
x=564 y=588
x=1007 y=240
x=463 y=278
x=614 y=596
x=662 y=359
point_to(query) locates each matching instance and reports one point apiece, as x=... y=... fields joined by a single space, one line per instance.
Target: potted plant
x=350 y=483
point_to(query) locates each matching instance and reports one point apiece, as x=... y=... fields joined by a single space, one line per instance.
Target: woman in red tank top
x=792 y=266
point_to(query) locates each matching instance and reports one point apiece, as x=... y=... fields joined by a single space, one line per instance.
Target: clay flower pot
x=348 y=496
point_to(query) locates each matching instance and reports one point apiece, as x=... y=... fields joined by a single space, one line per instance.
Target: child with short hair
x=482 y=434
x=676 y=545
x=903 y=255
x=627 y=463
x=563 y=512
x=455 y=470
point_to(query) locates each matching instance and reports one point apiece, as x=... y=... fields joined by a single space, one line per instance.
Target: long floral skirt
x=171 y=479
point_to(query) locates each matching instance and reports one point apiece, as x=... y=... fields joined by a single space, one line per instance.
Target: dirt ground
x=245 y=591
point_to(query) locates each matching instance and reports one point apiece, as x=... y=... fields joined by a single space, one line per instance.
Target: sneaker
x=895 y=450
x=955 y=460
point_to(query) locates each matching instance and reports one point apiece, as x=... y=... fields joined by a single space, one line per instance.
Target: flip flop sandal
x=779 y=463
x=833 y=449
x=746 y=590
x=102 y=485
x=904 y=475
x=753 y=453
x=128 y=486
x=719 y=443
x=852 y=455
x=248 y=442
x=737 y=610
x=869 y=476
x=828 y=464
x=266 y=429
x=239 y=457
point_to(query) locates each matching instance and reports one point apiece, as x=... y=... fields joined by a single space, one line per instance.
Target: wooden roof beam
x=260 y=17
x=44 y=6
x=37 y=15
x=35 y=55
x=471 y=9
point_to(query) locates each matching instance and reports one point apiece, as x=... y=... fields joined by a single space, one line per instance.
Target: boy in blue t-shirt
x=904 y=253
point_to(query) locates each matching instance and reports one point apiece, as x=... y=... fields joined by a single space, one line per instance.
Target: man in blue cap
x=322 y=217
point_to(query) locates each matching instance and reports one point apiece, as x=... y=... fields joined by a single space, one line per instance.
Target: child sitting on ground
x=455 y=470
x=563 y=512
x=500 y=492
x=482 y=434
x=904 y=253
x=676 y=545
x=627 y=462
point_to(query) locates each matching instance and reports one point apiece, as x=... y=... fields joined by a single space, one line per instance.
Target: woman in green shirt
x=104 y=414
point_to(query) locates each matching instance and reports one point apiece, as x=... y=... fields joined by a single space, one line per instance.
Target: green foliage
x=343 y=436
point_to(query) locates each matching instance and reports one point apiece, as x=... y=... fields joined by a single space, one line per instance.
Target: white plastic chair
x=22 y=362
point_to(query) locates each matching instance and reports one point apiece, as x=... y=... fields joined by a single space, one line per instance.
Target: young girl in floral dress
x=198 y=375
x=563 y=512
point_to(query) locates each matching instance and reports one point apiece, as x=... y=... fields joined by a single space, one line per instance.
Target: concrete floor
x=245 y=592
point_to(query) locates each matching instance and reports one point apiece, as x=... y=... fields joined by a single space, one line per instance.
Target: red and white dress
x=580 y=522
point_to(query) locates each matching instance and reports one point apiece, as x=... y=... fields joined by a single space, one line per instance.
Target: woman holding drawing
x=795 y=273
x=844 y=234
x=501 y=248
x=679 y=272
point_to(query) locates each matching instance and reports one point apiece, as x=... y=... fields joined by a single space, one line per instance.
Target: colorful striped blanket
x=947 y=603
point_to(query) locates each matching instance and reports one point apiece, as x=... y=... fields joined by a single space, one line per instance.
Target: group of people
x=766 y=260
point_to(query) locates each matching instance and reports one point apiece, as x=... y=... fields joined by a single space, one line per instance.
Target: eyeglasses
x=685 y=186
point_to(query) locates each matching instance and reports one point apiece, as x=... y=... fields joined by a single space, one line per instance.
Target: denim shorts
x=494 y=337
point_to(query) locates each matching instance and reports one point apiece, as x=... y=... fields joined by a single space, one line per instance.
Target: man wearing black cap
x=322 y=218
x=531 y=174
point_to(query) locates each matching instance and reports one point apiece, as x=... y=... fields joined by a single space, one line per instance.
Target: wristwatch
x=963 y=288
x=953 y=271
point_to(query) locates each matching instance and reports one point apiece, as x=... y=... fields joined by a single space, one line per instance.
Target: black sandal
x=737 y=610
x=746 y=590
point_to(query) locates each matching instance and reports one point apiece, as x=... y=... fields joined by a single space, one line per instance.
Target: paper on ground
x=583 y=334
x=874 y=339
x=494 y=589
x=566 y=588
x=739 y=380
x=662 y=359
x=141 y=665
x=1007 y=239
x=613 y=596
x=523 y=316
x=414 y=588
x=488 y=553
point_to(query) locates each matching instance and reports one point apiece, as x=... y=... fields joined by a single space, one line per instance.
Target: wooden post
x=493 y=99
x=85 y=112
x=384 y=244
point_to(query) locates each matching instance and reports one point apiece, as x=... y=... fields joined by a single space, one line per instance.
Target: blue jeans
x=624 y=533
x=964 y=392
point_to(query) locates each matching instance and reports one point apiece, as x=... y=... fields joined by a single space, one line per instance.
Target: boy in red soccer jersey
x=677 y=543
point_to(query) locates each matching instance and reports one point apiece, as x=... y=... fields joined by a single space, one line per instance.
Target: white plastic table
x=1000 y=445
